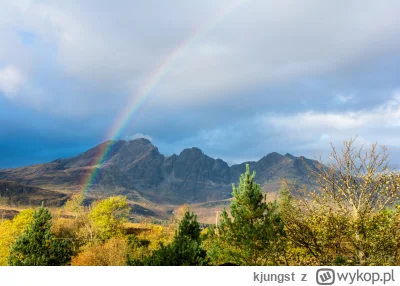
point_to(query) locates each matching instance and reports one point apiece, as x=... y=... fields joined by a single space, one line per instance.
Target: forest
x=350 y=216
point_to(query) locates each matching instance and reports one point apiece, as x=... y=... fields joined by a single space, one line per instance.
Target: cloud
x=140 y=135
x=305 y=133
x=285 y=76
x=11 y=80
x=315 y=130
x=386 y=115
x=110 y=54
x=318 y=121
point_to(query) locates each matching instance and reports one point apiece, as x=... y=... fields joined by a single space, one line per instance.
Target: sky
x=238 y=79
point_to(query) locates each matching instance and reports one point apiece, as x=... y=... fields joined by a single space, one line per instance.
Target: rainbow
x=148 y=85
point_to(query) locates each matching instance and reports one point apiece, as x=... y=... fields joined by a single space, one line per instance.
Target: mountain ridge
x=137 y=169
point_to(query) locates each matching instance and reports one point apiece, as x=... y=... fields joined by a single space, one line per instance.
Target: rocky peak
x=272 y=157
x=193 y=152
x=135 y=149
x=287 y=155
x=136 y=152
x=143 y=141
x=193 y=164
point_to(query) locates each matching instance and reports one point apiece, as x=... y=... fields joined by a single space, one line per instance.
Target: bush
x=111 y=253
x=37 y=247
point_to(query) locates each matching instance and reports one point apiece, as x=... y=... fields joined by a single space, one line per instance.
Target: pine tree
x=185 y=249
x=255 y=232
x=37 y=247
x=189 y=227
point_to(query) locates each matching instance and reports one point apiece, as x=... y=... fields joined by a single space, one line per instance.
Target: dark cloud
x=238 y=83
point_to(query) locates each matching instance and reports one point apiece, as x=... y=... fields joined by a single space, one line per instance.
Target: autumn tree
x=107 y=216
x=352 y=212
x=37 y=246
x=10 y=230
x=75 y=204
x=254 y=235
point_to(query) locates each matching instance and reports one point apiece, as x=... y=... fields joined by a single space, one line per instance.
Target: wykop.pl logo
x=325 y=276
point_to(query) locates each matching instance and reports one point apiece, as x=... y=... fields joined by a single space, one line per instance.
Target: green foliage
x=189 y=227
x=134 y=242
x=185 y=249
x=107 y=216
x=10 y=230
x=37 y=247
x=255 y=233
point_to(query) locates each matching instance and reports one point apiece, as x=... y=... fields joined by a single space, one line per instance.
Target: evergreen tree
x=186 y=248
x=37 y=247
x=189 y=227
x=254 y=235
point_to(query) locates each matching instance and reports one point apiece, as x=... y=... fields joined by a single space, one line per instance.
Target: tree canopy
x=37 y=246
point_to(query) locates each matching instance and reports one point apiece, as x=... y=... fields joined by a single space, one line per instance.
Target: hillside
x=138 y=170
x=18 y=194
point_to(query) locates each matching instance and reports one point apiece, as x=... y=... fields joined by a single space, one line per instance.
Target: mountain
x=272 y=168
x=138 y=170
x=12 y=193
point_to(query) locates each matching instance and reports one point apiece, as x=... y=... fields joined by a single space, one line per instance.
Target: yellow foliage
x=75 y=204
x=10 y=230
x=111 y=253
x=157 y=234
x=107 y=216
